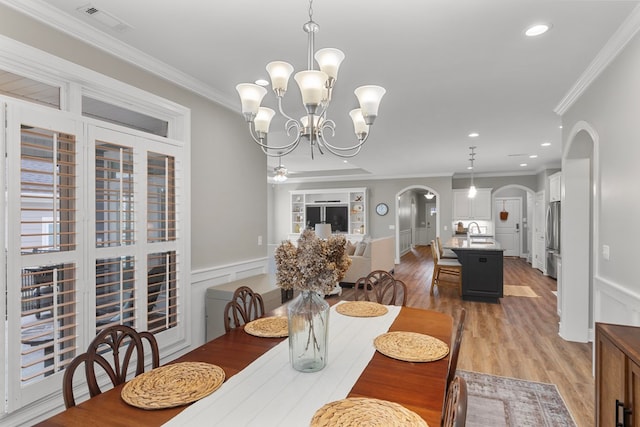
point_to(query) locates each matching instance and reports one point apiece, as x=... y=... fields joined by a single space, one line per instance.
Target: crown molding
x=76 y=28
x=607 y=54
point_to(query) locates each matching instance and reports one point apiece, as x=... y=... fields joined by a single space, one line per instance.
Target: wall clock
x=382 y=209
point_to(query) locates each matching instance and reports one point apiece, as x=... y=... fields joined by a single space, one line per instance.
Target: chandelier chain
x=310 y=10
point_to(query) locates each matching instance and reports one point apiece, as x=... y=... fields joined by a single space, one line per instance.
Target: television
x=336 y=215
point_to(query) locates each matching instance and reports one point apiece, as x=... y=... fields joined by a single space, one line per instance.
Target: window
x=47 y=190
x=28 y=89
x=104 y=225
x=78 y=249
x=129 y=181
x=114 y=195
x=161 y=200
x=47 y=224
x=112 y=113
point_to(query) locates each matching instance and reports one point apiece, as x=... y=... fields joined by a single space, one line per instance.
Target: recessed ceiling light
x=469 y=167
x=533 y=156
x=262 y=82
x=545 y=144
x=560 y=127
x=474 y=135
x=345 y=161
x=523 y=164
x=536 y=30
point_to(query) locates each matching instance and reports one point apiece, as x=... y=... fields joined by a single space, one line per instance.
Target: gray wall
x=379 y=191
x=611 y=106
x=228 y=202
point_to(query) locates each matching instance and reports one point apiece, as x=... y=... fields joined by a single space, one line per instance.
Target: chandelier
x=472 y=187
x=316 y=88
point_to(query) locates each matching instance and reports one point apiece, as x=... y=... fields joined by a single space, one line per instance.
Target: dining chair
x=112 y=350
x=445 y=253
x=451 y=268
x=455 y=412
x=380 y=286
x=245 y=306
x=455 y=349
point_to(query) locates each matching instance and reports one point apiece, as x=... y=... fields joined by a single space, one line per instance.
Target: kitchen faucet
x=469 y=227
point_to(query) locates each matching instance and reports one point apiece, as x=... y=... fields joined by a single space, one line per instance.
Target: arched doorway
x=404 y=216
x=578 y=195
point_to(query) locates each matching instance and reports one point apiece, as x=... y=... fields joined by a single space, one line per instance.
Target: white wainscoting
x=613 y=303
x=405 y=241
x=214 y=276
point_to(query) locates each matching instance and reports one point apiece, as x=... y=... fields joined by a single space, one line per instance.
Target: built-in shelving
x=345 y=209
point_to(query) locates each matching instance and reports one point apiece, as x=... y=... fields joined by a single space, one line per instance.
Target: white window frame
x=74 y=81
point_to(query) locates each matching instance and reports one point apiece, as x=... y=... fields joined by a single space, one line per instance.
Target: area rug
x=500 y=401
x=518 y=291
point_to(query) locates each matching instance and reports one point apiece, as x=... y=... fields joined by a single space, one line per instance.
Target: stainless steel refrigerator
x=553 y=238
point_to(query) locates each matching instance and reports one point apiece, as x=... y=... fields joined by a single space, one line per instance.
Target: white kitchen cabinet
x=555 y=182
x=477 y=208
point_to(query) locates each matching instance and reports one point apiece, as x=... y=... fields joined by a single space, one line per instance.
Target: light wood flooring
x=516 y=338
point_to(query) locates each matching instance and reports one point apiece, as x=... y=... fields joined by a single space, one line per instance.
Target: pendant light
x=472 y=187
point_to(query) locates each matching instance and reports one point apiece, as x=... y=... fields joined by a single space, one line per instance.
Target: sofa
x=369 y=255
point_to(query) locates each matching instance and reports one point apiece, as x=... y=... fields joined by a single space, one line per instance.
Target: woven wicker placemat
x=173 y=385
x=361 y=411
x=268 y=327
x=411 y=346
x=361 y=309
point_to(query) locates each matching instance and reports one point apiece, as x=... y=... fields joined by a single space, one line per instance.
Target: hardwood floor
x=516 y=338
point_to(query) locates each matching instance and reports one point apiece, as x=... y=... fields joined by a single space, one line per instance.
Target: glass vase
x=308 y=315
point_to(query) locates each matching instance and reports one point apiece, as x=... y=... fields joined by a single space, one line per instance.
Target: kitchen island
x=481 y=259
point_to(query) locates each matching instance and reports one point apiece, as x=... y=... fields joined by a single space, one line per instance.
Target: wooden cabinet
x=344 y=208
x=617 y=359
x=477 y=208
x=555 y=187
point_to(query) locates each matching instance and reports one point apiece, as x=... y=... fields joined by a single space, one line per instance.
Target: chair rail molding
x=615 y=303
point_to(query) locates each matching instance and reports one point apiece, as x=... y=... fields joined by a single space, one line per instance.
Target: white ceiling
x=450 y=67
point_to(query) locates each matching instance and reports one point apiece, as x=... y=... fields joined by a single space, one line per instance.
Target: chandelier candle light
x=316 y=87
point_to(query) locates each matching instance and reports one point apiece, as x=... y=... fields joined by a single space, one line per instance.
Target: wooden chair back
x=440 y=250
x=455 y=349
x=435 y=252
x=451 y=268
x=245 y=306
x=112 y=350
x=455 y=412
x=381 y=287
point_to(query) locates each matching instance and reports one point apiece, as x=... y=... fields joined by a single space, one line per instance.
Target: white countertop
x=481 y=243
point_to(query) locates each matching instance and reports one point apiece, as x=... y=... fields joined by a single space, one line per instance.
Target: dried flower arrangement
x=315 y=265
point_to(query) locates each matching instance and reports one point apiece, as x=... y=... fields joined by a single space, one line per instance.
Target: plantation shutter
x=43 y=255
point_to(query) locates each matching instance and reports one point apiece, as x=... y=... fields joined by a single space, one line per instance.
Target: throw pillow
x=367 y=250
x=360 y=248
x=350 y=248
